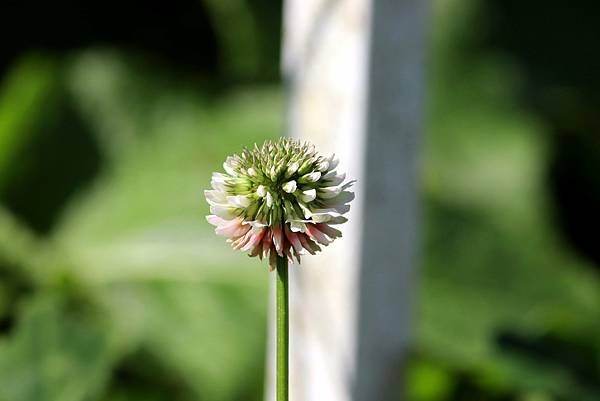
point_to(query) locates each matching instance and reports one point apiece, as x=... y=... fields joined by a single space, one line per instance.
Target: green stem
x=282 y=329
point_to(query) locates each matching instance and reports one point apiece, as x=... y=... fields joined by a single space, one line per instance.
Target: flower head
x=281 y=198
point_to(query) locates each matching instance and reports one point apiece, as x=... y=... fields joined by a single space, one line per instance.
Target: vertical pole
x=387 y=280
x=354 y=71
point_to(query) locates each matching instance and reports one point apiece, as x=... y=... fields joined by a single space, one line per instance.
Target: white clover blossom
x=279 y=199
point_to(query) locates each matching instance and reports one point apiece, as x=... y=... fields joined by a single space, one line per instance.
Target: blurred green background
x=113 y=115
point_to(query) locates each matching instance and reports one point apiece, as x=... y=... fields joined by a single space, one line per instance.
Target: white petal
x=324 y=215
x=343 y=208
x=224 y=212
x=218 y=181
x=213 y=196
x=261 y=191
x=321 y=218
x=256 y=224
x=252 y=172
x=307 y=212
x=348 y=184
x=292 y=169
x=289 y=186
x=323 y=166
x=269 y=199
x=333 y=161
x=229 y=169
x=329 y=192
x=311 y=177
x=297 y=226
x=214 y=220
x=309 y=195
x=343 y=197
x=239 y=201
x=337 y=220
x=330 y=215
x=332 y=178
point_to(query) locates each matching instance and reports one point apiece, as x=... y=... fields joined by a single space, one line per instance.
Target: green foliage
x=504 y=302
x=132 y=284
x=25 y=102
x=53 y=344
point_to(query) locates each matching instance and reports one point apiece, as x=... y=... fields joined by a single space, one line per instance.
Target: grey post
x=354 y=71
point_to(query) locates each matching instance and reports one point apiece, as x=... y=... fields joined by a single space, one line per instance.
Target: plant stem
x=282 y=329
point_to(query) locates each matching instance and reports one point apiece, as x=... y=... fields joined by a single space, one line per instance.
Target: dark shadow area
x=576 y=358
x=144 y=376
x=556 y=45
x=575 y=187
x=179 y=31
x=55 y=162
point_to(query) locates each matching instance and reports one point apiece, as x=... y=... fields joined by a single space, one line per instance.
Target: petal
x=333 y=161
x=293 y=238
x=337 y=220
x=289 y=186
x=292 y=168
x=308 y=195
x=329 y=231
x=311 y=177
x=215 y=196
x=229 y=169
x=254 y=240
x=278 y=239
x=272 y=260
x=215 y=220
x=342 y=198
x=317 y=235
x=267 y=241
x=297 y=226
x=242 y=240
x=323 y=166
x=225 y=212
x=219 y=181
x=233 y=228
x=329 y=192
x=239 y=201
x=308 y=244
x=307 y=212
x=332 y=178
x=261 y=191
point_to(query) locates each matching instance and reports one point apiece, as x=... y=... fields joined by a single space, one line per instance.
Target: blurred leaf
x=55 y=354
x=176 y=292
x=18 y=248
x=240 y=43
x=427 y=381
x=494 y=262
x=24 y=97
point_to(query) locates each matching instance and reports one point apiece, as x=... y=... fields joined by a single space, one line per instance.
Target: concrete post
x=354 y=71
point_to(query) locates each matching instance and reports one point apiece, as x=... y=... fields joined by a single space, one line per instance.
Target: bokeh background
x=114 y=288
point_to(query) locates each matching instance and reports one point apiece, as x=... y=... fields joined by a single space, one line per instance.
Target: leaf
x=55 y=354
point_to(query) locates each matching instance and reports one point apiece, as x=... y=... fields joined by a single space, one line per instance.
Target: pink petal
x=278 y=239
x=308 y=244
x=254 y=240
x=232 y=228
x=293 y=238
x=329 y=231
x=266 y=242
x=215 y=220
x=317 y=235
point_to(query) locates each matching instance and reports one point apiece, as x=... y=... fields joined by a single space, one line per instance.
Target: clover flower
x=281 y=198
